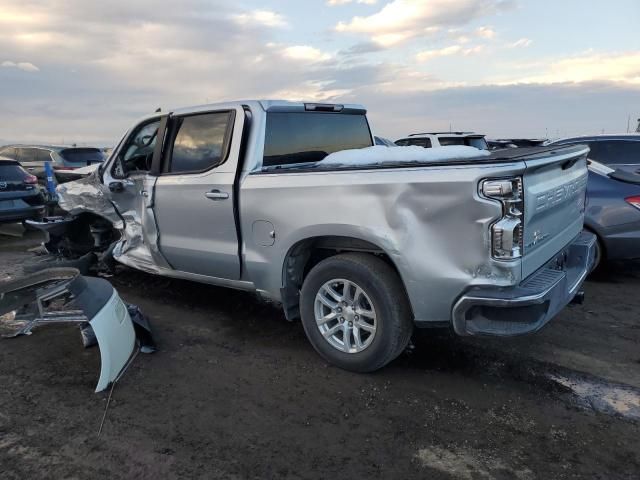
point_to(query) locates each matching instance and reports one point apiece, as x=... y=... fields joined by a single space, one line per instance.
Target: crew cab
x=254 y=195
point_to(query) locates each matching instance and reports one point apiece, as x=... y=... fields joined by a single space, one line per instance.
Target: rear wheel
x=355 y=312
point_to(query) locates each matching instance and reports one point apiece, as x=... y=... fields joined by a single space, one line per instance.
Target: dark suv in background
x=20 y=197
x=64 y=160
x=613 y=193
x=615 y=151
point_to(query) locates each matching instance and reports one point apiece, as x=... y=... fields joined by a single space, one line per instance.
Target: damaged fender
x=85 y=299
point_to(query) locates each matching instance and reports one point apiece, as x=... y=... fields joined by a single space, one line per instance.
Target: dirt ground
x=235 y=391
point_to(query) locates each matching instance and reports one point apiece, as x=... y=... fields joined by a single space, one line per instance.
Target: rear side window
x=299 y=137
x=615 y=151
x=27 y=154
x=417 y=142
x=11 y=172
x=82 y=156
x=9 y=152
x=42 y=155
x=476 y=142
x=200 y=142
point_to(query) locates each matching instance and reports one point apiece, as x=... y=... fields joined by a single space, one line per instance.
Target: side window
x=615 y=151
x=402 y=143
x=28 y=154
x=199 y=142
x=420 y=142
x=137 y=152
x=9 y=152
x=43 y=155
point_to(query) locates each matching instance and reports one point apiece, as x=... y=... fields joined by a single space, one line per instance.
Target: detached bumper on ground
x=528 y=306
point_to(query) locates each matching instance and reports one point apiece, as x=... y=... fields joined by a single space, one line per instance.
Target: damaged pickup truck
x=363 y=245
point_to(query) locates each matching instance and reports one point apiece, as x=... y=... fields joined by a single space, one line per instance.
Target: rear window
x=298 y=137
x=82 y=156
x=615 y=151
x=476 y=142
x=11 y=172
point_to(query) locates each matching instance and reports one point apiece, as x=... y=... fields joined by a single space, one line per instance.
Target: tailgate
x=554 y=201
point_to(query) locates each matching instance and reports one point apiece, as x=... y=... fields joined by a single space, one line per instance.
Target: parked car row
x=64 y=160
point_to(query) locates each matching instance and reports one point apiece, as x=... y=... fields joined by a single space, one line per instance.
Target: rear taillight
x=635 y=201
x=507 y=234
x=30 y=179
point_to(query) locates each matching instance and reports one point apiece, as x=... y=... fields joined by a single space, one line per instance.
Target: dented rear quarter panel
x=430 y=221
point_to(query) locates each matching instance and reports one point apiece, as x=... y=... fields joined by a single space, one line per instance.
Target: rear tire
x=369 y=326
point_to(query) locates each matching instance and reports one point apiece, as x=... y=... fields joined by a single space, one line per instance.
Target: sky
x=77 y=71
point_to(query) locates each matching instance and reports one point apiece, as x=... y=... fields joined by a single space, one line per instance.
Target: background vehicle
x=384 y=141
x=615 y=151
x=495 y=144
x=443 y=139
x=293 y=201
x=63 y=159
x=613 y=194
x=20 y=197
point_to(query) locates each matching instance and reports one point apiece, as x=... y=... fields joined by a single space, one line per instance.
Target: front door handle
x=216 y=195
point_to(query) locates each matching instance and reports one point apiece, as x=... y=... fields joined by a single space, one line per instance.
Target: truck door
x=130 y=181
x=194 y=194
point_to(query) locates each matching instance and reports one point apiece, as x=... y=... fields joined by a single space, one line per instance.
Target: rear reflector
x=635 y=201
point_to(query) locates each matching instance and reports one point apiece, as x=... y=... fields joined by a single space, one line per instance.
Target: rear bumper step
x=528 y=306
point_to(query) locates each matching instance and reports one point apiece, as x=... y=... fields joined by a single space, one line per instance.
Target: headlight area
x=507 y=234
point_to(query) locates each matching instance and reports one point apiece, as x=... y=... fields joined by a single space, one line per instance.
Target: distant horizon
x=84 y=72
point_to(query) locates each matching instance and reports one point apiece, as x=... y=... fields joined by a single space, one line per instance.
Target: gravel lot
x=237 y=392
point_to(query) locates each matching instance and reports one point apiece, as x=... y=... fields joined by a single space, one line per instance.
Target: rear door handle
x=216 y=195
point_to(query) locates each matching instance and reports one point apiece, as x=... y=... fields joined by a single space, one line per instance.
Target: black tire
x=384 y=288
x=43 y=262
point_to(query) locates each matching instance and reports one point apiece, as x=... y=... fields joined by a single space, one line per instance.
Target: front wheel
x=355 y=312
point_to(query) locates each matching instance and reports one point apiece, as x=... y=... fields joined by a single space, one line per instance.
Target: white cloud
x=588 y=67
x=305 y=52
x=400 y=20
x=522 y=43
x=485 y=32
x=427 y=55
x=333 y=3
x=26 y=66
x=265 y=18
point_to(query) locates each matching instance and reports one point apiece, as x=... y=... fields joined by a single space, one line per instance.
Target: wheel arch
x=308 y=252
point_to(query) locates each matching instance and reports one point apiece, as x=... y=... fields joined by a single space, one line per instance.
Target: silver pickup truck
x=239 y=195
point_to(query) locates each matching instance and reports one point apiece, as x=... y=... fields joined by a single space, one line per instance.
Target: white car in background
x=444 y=139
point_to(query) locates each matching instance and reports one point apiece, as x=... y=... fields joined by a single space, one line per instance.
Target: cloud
x=485 y=32
x=26 y=66
x=333 y=3
x=401 y=20
x=522 y=43
x=305 y=52
x=427 y=55
x=260 y=17
x=588 y=67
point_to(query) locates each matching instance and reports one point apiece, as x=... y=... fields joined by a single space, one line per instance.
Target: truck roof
x=276 y=105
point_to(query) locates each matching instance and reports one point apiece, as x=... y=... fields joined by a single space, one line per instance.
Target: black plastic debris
x=142 y=328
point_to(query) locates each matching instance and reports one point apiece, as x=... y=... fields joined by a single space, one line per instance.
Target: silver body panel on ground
x=430 y=220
